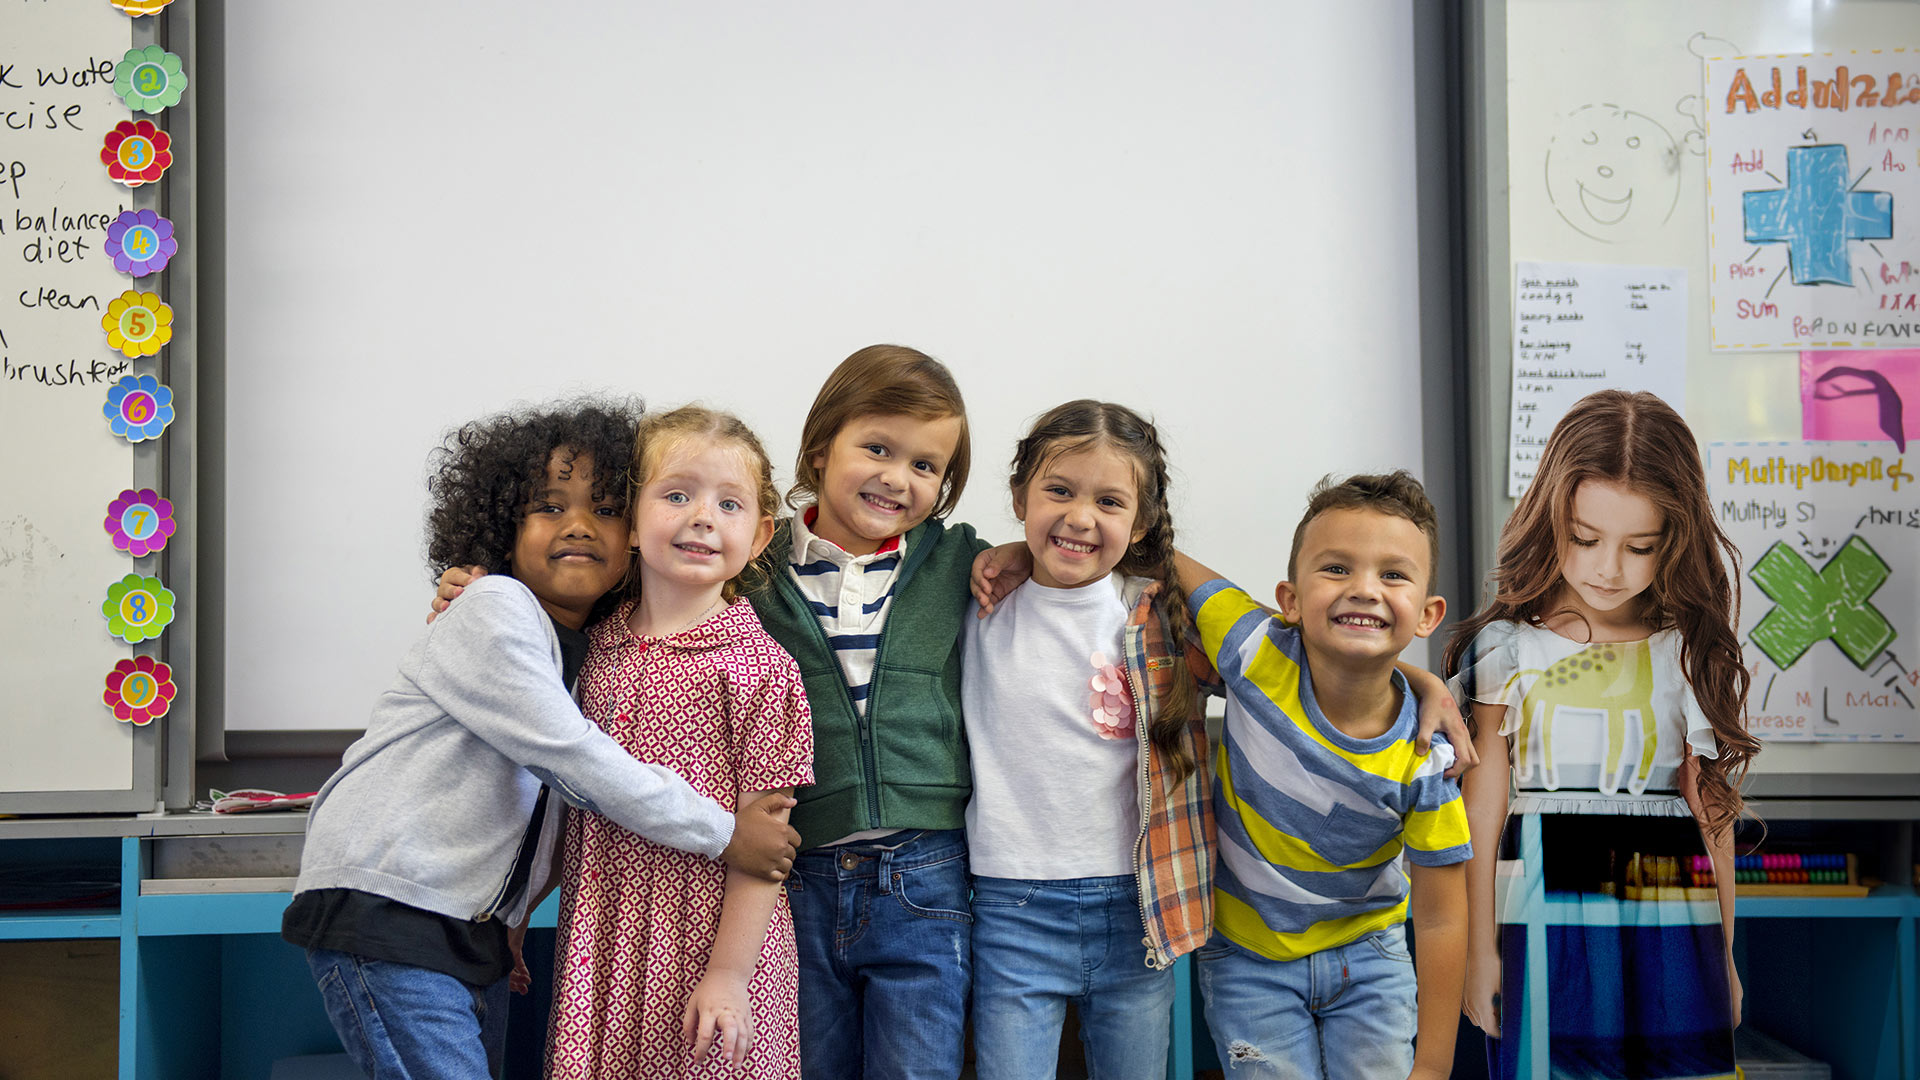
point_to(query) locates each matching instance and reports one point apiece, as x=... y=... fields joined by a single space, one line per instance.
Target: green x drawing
x=1830 y=604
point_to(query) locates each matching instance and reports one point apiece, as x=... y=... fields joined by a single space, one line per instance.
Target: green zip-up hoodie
x=904 y=765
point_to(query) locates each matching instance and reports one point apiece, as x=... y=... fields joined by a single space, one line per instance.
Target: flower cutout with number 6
x=138 y=408
x=137 y=324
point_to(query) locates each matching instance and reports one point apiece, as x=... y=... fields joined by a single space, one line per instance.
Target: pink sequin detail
x=1110 y=700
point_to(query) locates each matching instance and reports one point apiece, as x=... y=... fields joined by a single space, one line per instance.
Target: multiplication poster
x=1813 y=200
x=1829 y=539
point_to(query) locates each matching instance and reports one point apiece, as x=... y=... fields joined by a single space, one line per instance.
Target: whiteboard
x=1649 y=74
x=1206 y=211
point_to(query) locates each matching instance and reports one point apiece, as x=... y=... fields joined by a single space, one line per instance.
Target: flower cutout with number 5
x=140 y=242
x=149 y=79
x=139 y=408
x=137 y=324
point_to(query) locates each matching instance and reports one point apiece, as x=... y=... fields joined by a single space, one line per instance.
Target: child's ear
x=1020 y=504
x=762 y=533
x=1289 y=601
x=1430 y=615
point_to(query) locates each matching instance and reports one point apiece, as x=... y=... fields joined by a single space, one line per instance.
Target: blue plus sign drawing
x=1815 y=215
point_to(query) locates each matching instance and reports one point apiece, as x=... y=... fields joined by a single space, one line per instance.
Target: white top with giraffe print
x=1612 y=717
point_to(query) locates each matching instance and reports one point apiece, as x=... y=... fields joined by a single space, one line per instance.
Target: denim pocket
x=935 y=891
x=344 y=1011
x=997 y=892
x=1391 y=944
x=1215 y=948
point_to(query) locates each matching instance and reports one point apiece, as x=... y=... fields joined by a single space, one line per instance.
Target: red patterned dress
x=722 y=705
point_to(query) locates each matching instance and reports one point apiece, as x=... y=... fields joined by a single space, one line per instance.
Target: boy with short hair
x=1318 y=791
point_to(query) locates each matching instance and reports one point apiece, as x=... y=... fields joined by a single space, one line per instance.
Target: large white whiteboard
x=1204 y=210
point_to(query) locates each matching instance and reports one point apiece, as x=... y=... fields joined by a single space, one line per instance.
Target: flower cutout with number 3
x=137 y=324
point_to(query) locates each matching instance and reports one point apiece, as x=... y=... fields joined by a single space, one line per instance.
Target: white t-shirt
x=1050 y=730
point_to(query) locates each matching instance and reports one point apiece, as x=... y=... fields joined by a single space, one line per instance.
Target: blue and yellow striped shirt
x=1312 y=822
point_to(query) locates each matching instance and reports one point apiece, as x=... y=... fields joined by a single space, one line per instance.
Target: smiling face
x=1361 y=589
x=1610 y=554
x=1080 y=510
x=569 y=548
x=697 y=520
x=880 y=476
x=1612 y=173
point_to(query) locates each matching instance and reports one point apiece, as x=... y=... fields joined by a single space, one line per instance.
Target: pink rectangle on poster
x=1861 y=394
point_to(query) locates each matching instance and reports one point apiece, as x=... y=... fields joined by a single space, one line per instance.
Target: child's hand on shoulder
x=453 y=581
x=997 y=572
x=719 y=1017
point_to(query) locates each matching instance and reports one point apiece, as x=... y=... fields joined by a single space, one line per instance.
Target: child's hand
x=1733 y=981
x=997 y=572
x=719 y=1017
x=1439 y=712
x=1482 y=1000
x=520 y=980
x=454 y=581
x=763 y=843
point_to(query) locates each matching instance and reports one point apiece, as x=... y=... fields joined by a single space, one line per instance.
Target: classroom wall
x=432 y=210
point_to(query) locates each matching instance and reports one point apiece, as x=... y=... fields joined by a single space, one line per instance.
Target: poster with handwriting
x=1581 y=327
x=1829 y=539
x=56 y=200
x=1813 y=200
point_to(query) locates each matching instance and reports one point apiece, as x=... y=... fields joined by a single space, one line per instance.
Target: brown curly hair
x=1637 y=441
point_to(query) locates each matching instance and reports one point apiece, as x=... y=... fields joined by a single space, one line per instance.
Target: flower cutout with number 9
x=149 y=79
x=137 y=324
x=137 y=608
x=139 y=691
x=140 y=242
x=136 y=152
x=138 y=408
x=139 y=522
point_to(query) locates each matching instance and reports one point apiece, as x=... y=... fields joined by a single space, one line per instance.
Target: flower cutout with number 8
x=136 y=152
x=137 y=608
x=137 y=324
x=139 y=691
x=138 y=408
x=149 y=79
x=139 y=522
x=140 y=242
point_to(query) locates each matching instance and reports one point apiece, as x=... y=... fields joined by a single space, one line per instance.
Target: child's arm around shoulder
x=1438 y=910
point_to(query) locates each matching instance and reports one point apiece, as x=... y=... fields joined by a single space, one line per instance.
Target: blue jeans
x=400 y=1022
x=883 y=933
x=1039 y=944
x=1336 y=1014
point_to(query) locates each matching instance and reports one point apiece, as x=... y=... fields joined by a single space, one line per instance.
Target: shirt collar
x=807 y=546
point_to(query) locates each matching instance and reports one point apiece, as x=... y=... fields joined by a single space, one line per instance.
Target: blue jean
x=400 y=1022
x=1038 y=945
x=883 y=934
x=1343 y=1012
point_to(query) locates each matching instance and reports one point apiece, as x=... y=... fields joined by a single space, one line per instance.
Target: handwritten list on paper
x=1581 y=327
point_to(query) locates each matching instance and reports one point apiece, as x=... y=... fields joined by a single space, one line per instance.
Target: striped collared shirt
x=1312 y=822
x=849 y=594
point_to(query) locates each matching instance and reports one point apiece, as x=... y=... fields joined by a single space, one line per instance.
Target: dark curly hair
x=484 y=473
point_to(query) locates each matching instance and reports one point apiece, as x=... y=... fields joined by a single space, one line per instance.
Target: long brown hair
x=1639 y=442
x=1085 y=423
x=888 y=380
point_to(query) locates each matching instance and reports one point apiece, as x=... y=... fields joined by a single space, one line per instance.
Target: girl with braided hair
x=1090 y=804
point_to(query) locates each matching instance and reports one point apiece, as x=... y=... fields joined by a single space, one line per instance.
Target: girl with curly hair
x=430 y=841
x=1608 y=693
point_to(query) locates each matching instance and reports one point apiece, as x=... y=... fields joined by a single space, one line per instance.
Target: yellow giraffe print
x=1616 y=676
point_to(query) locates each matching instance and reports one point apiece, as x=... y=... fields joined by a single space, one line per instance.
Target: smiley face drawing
x=1612 y=173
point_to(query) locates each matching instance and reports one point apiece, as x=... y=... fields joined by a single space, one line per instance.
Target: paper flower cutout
x=136 y=152
x=137 y=608
x=139 y=691
x=139 y=522
x=149 y=79
x=138 y=408
x=140 y=242
x=137 y=324
x=1111 y=702
x=140 y=7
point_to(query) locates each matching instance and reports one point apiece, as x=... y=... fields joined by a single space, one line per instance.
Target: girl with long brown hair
x=1608 y=698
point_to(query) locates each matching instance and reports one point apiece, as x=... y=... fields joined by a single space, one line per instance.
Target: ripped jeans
x=1340 y=1014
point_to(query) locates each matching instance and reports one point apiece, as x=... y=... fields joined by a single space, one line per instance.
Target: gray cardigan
x=429 y=807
